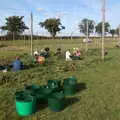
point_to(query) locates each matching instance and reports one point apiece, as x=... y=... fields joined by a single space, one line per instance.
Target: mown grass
x=98 y=100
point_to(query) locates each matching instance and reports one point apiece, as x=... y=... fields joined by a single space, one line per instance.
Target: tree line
x=15 y=25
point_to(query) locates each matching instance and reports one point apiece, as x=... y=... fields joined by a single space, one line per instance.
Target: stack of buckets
x=53 y=93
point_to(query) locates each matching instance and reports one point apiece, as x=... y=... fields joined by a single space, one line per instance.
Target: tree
x=99 y=28
x=83 y=26
x=112 y=32
x=52 y=25
x=14 y=25
x=118 y=31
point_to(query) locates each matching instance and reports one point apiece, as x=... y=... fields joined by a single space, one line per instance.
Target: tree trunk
x=53 y=36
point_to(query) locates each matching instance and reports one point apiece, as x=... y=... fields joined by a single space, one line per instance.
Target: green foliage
x=3 y=45
x=52 y=25
x=99 y=28
x=118 y=31
x=112 y=32
x=99 y=101
x=14 y=24
x=83 y=26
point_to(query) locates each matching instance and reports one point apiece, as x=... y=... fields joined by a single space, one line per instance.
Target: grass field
x=98 y=97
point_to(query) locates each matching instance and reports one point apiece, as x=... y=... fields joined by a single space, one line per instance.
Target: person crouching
x=68 y=55
x=17 y=65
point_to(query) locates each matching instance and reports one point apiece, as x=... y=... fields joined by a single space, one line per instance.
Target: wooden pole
x=103 y=26
x=119 y=33
x=87 y=30
x=31 y=34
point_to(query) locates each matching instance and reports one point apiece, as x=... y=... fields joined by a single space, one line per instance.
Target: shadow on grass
x=71 y=101
x=41 y=104
x=81 y=86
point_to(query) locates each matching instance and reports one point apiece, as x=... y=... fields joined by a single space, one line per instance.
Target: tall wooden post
x=31 y=34
x=103 y=26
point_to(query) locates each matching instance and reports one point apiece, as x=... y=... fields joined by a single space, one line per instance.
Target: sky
x=71 y=12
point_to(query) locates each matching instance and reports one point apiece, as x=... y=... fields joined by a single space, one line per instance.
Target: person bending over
x=17 y=64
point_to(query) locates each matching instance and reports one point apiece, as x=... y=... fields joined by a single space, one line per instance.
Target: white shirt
x=68 y=55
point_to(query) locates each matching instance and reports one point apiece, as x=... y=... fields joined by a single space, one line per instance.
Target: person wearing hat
x=40 y=59
x=35 y=53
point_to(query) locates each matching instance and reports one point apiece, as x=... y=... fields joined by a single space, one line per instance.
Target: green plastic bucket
x=54 y=84
x=32 y=88
x=56 y=101
x=69 y=89
x=70 y=81
x=25 y=104
x=43 y=92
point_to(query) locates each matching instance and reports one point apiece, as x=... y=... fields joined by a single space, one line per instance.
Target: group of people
x=87 y=40
x=17 y=64
x=76 y=53
x=40 y=58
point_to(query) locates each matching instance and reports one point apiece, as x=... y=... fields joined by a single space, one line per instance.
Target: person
x=84 y=40
x=36 y=58
x=74 y=51
x=58 y=51
x=43 y=53
x=47 y=52
x=3 y=69
x=17 y=64
x=105 y=52
x=78 y=53
x=68 y=55
x=89 y=40
x=40 y=59
x=35 y=53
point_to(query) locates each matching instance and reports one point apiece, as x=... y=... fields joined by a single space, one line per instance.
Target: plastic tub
x=54 y=84
x=32 y=88
x=43 y=92
x=70 y=81
x=69 y=89
x=25 y=104
x=56 y=101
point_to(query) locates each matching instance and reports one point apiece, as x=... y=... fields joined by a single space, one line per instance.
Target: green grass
x=99 y=101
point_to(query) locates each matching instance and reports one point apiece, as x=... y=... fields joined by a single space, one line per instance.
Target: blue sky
x=70 y=11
